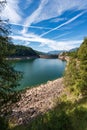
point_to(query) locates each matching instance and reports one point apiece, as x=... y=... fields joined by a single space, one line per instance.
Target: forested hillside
x=76 y=72
x=21 y=51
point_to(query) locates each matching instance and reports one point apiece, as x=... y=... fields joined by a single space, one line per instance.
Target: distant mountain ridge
x=20 y=51
x=74 y=49
x=55 y=52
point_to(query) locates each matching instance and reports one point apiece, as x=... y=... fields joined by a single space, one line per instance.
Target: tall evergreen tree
x=8 y=76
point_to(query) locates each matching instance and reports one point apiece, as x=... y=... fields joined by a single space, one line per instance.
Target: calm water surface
x=37 y=71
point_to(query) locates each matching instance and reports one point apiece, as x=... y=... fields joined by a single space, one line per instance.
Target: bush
x=3 y=124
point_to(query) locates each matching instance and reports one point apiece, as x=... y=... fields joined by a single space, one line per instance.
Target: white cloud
x=25 y=26
x=34 y=16
x=55 y=8
x=57 y=19
x=61 y=35
x=61 y=25
x=12 y=11
x=48 y=9
x=65 y=45
x=60 y=45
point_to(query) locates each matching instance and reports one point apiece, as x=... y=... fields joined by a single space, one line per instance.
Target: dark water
x=37 y=71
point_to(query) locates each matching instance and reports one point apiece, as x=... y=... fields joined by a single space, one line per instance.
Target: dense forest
x=21 y=51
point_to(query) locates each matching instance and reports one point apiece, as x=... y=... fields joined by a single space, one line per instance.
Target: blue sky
x=47 y=25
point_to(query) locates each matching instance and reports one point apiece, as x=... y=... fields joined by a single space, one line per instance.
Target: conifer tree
x=8 y=76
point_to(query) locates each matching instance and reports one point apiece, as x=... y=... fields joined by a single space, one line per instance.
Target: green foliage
x=79 y=116
x=8 y=81
x=82 y=56
x=65 y=116
x=72 y=75
x=52 y=121
x=73 y=54
x=3 y=124
x=8 y=76
x=76 y=72
x=82 y=52
x=21 y=51
x=71 y=72
x=4 y=39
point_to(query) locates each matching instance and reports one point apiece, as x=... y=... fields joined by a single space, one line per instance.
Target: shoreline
x=33 y=57
x=36 y=101
x=21 y=58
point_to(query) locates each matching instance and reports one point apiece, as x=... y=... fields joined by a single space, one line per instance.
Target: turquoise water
x=37 y=71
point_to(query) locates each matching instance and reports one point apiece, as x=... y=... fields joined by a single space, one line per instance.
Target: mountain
x=21 y=51
x=56 y=52
x=74 y=49
x=40 y=53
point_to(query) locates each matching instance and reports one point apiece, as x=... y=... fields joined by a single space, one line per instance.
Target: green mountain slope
x=21 y=51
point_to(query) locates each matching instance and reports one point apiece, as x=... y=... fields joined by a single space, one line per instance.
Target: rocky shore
x=36 y=101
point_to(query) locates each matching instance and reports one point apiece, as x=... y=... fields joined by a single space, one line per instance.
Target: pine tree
x=8 y=76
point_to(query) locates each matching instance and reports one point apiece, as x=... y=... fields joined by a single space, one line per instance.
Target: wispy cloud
x=51 y=10
x=36 y=27
x=27 y=3
x=55 y=8
x=61 y=35
x=47 y=9
x=60 y=45
x=57 y=19
x=67 y=22
x=33 y=16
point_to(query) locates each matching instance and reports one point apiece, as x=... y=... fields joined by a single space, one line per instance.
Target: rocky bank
x=36 y=101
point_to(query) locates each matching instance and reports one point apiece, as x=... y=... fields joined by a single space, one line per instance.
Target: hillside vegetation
x=21 y=51
x=76 y=72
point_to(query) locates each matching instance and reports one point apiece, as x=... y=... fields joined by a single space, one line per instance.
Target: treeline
x=21 y=51
x=76 y=72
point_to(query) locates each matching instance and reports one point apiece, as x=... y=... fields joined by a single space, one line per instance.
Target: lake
x=37 y=71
